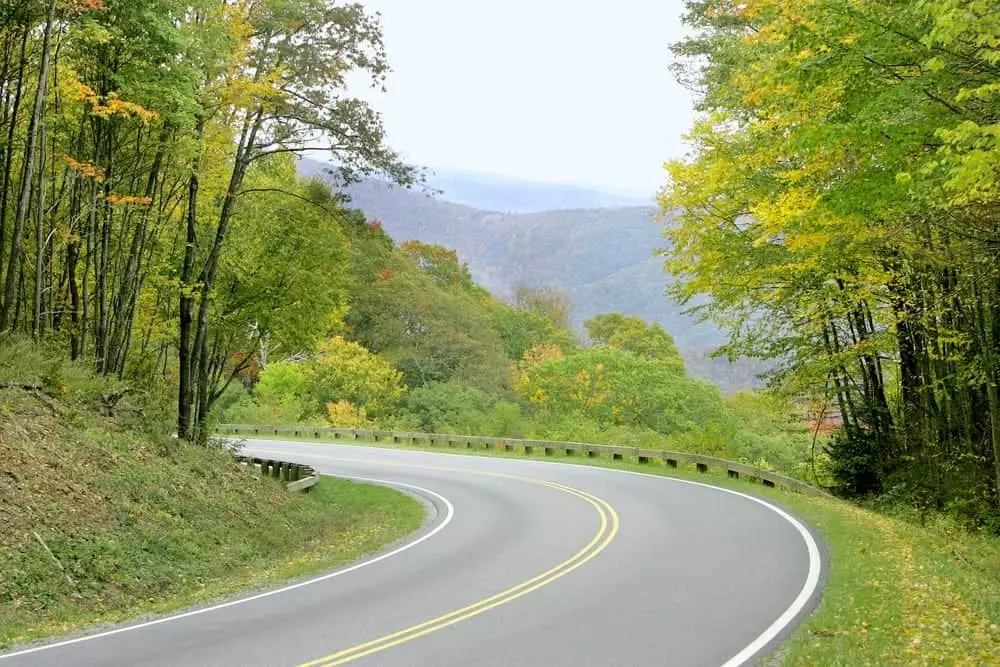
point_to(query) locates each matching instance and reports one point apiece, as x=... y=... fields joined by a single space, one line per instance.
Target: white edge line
x=762 y=640
x=232 y=603
x=808 y=587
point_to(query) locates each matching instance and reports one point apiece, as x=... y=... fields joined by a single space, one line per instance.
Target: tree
x=551 y=302
x=631 y=334
x=286 y=98
x=345 y=371
x=839 y=209
x=615 y=387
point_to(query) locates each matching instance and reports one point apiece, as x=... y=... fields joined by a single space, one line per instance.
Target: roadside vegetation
x=106 y=517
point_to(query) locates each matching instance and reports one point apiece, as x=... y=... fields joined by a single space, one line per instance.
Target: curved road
x=523 y=563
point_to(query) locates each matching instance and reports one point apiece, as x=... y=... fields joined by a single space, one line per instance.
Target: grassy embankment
x=100 y=521
x=898 y=593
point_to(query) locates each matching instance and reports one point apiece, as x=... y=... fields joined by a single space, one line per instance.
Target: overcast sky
x=565 y=91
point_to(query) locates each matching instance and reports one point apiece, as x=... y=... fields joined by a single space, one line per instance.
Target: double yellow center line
x=606 y=533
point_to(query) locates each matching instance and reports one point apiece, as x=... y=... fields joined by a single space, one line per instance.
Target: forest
x=151 y=220
x=839 y=213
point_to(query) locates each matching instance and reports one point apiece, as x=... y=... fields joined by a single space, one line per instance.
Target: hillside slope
x=99 y=521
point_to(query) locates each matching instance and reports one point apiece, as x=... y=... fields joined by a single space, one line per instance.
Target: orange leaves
x=126 y=200
x=107 y=106
x=87 y=169
x=115 y=106
x=84 y=6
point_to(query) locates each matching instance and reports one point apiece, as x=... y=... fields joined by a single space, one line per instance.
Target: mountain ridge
x=603 y=258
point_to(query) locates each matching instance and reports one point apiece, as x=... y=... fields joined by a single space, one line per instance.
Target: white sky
x=564 y=91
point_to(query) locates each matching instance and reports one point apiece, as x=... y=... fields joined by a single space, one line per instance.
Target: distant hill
x=603 y=257
x=509 y=195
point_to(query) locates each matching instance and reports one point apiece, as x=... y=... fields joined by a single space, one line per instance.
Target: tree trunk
x=185 y=393
x=9 y=157
x=207 y=278
x=27 y=173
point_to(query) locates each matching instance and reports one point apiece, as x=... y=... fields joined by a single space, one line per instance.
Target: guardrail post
x=616 y=456
x=733 y=474
x=672 y=463
x=642 y=458
x=569 y=452
x=701 y=467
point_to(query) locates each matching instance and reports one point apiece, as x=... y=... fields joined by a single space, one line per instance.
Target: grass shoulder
x=897 y=593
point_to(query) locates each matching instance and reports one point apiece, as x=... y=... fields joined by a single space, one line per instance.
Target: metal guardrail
x=616 y=452
x=297 y=477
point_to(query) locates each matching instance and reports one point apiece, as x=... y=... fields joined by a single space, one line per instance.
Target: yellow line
x=605 y=534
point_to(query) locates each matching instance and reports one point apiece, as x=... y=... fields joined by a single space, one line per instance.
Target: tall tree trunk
x=200 y=359
x=185 y=393
x=27 y=173
x=37 y=325
x=5 y=187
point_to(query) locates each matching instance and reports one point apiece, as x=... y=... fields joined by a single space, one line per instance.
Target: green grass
x=897 y=593
x=99 y=523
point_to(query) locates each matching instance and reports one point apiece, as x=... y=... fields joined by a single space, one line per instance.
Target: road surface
x=521 y=563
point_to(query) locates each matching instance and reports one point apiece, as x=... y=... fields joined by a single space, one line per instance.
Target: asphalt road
x=521 y=563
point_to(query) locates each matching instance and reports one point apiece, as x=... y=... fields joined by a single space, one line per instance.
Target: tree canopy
x=840 y=209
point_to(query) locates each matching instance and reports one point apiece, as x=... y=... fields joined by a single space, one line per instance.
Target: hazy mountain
x=603 y=257
x=509 y=195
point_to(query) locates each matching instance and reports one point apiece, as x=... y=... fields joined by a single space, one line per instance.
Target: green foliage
x=633 y=335
x=431 y=330
x=521 y=329
x=616 y=387
x=345 y=371
x=838 y=212
x=453 y=407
